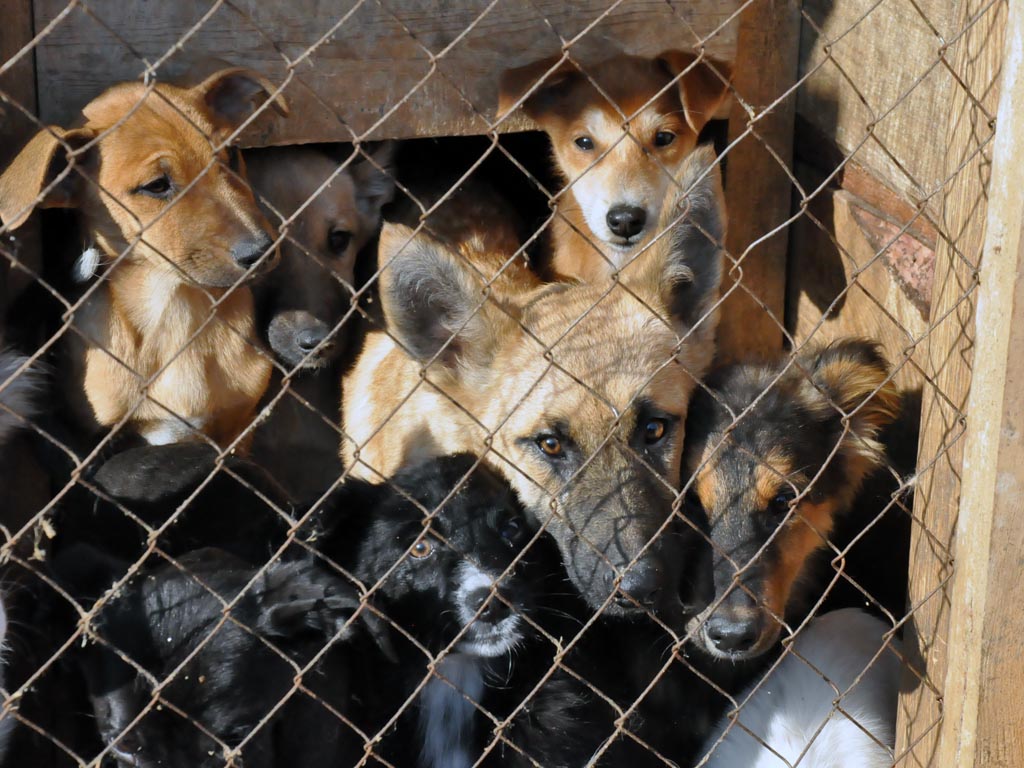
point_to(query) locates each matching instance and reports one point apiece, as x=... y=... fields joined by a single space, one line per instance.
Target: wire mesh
x=230 y=537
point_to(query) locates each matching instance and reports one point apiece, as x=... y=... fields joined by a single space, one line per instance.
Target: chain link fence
x=349 y=419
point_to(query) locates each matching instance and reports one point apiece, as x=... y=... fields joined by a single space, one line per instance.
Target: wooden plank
x=984 y=719
x=857 y=271
x=876 y=85
x=758 y=190
x=975 y=57
x=374 y=54
x=17 y=87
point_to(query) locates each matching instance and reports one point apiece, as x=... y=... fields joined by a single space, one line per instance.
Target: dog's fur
x=458 y=363
x=305 y=311
x=239 y=671
x=795 y=717
x=161 y=199
x=673 y=94
x=17 y=394
x=7 y=722
x=810 y=437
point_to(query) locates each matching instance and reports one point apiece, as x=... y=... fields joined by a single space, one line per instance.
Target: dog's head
x=585 y=387
x=445 y=553
x=152 y=173
x=326 y=212
x=772 y=482
x=620 y=130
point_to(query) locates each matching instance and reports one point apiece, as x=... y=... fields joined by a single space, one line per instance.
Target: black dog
x=221 y=680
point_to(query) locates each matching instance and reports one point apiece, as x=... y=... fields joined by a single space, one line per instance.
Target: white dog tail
x=17 y=393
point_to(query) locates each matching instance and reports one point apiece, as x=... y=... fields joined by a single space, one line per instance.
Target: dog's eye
x=338 y=241
x=654 y=430
x=511 y=529
x=585 y=143
x=779 y=505
x=160 y=187
x=551 y=445
x=664 y=138
x=421 y=549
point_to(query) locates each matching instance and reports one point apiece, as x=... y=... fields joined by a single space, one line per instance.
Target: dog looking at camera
x=576 y=393
x=167 y=340
x=620 y=131
x=778 y=453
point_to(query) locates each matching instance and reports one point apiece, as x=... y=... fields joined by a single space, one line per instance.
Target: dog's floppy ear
x=684 y=266
x=375 y=179
x=851 y=378
x=45 y=174
x=550 y=76
x=232 y=94
x=703 y=86
x=434 y=305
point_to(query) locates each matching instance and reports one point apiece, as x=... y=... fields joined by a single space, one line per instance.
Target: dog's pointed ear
x=435 y=306
x=683 y=266
x=45 y=174
x=851 y=378
x=231 y=95
x=375 y=179
x=703 y=86
x=544 y=81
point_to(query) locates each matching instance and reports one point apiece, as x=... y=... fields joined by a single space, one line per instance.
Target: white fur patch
x=446 y=714
x=793 y=711
x=16 y=395
x=87 y=265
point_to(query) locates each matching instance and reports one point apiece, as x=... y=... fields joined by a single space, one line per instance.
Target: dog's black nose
x=309 y=339
x=626 y=220
x=495 y=609
x=641 y=583
x=731 y=636
x=247 y=252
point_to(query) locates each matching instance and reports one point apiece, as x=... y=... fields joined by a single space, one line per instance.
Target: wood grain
x=948 y=354
x=984 y=719
x=758 y=189
x=434 y=62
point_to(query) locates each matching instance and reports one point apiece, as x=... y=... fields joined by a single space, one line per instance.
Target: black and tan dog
x=778 y=453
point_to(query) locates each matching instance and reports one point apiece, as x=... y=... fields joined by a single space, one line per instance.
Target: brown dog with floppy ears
x=169 y=344
x=619 y=132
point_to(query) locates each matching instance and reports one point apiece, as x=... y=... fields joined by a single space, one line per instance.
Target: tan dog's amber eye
x=585 y=143
x=654 y=430
x=421 y=549
x=664 y=138
x=159 y=187
x=550 y=444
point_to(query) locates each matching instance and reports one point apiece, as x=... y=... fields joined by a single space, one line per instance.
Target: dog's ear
x=232 y=94
x=703 y=86
x=684 y=264
x=45 y=174
x=435 y=306
x=550 y=76
x=851 y=378
x=295 y=597
x=375 y=179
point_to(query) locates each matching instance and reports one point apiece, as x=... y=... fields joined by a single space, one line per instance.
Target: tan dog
x=618 y=148
x=169 y=347
x=579 y=390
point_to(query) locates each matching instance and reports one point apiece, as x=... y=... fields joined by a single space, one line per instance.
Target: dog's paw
x=296 y=597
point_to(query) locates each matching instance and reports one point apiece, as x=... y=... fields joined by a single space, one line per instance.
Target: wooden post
x=758 y=190
x=946 y=360
x=983 y=723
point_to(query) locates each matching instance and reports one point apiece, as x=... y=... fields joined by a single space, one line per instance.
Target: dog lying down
x=222 y=678
x=830 y=703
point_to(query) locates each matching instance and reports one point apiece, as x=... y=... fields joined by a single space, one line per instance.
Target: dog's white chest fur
x=446 y=714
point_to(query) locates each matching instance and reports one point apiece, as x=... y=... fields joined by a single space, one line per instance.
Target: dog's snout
x=731 y=635
x=248 y=251
x=642 y=583
x=310 y=338
x=626 y=220
x=488 y=609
